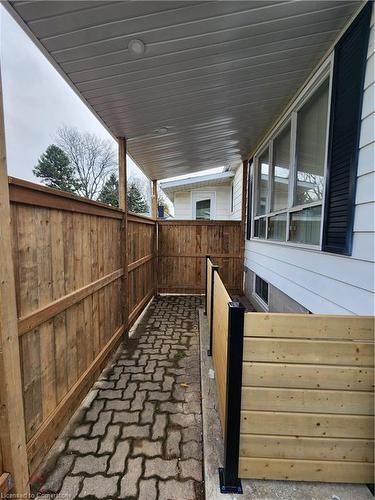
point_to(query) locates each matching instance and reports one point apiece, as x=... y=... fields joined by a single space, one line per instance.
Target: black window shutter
x=249 y=199
x=345 y=127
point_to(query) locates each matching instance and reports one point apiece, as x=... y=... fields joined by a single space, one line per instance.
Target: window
x=280 y=176
x=305 y=225
x=277 y=227
x=260 y=228
x=203 y=205
x=263 y=175
x=231 y=197
x=261 y=289
x=203 y=209
x=311 y=147
x=290 y=174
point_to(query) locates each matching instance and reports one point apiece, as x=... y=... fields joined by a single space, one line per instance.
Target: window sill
x=306 y=248
x=260 y=302
x=301 y=246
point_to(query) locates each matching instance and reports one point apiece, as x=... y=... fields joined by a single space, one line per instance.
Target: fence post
x=229 y=481
x=211 y=306
x=12 y=418
x=123 y=204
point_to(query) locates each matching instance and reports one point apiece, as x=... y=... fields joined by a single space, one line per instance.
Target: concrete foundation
x=278 y=301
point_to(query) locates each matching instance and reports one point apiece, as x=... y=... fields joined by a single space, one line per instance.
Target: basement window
x=261 y=289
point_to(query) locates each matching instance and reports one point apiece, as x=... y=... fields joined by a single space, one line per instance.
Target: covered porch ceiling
x=213 y=77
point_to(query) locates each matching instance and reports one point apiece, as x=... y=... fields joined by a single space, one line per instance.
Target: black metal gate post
x=211 y=306
x=229 y=481
x=205 y=298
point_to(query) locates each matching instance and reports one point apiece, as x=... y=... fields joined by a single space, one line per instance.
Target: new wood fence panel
x=309 y=351
x=141 y=263
x=310 y=376
x=307 y=398
x=182 y=249
x=278 y=325
x=300 y=447
x=220 y=342
x=68 y=273
x=293 y=470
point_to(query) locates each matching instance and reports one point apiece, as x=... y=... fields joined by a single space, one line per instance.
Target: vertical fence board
x=141 y=262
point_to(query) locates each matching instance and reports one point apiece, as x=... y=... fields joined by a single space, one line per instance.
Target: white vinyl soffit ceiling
x=191 y=85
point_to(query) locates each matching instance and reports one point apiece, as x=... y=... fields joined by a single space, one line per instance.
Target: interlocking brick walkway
x=142 y=436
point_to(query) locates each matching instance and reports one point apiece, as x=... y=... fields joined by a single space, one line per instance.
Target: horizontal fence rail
x=72 y=304
x=305 y=411
x=182 y=249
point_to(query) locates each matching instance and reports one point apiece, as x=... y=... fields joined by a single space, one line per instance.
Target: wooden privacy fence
x=182 y=249
x=305 y=411
x=73 y=264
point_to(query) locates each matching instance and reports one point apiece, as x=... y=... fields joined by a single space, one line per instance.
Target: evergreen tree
x=109 y=191
x=54 y=169
x=136 y=200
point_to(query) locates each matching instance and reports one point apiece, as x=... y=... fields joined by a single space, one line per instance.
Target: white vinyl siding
x=183 y=205
x=237 y=194
x=322 y=282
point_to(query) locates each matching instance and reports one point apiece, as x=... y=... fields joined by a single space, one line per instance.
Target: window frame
x=290 y=117
x=258 y=298
x=203 y=195
x=256 y=177
x=249 y=198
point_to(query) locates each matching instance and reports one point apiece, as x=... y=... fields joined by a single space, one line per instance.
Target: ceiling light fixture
x=136 y=47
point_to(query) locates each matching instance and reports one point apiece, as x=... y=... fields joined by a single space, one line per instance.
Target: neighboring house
x=210 y=197
x=310 y=235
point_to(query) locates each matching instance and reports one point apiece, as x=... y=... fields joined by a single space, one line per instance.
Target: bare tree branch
x=93 y=159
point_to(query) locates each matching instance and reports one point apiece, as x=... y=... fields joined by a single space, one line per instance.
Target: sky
x=37 y=101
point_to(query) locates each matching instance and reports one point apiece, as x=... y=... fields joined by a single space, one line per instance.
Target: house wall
x=237 y=194
x=323 y=282
x=183 y=205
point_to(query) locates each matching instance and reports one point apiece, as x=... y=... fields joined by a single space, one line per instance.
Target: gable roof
x=211 y=180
